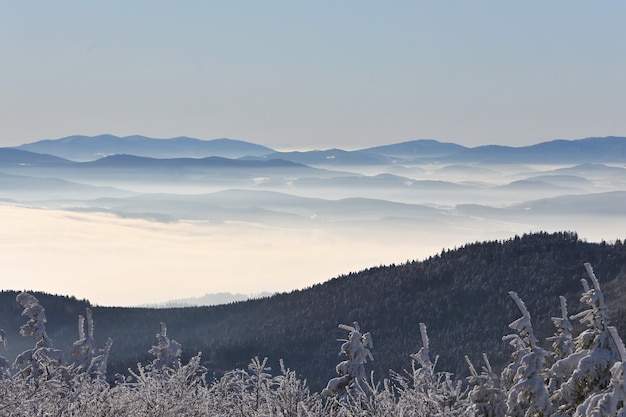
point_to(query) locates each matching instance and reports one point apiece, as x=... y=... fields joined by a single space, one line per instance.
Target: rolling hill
x=611 y=149
x=460 y=294
x=588 y=150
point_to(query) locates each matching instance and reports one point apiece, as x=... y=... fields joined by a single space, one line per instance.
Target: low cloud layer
x=116 y=261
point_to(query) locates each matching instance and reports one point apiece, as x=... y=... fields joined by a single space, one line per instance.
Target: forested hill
x=461 y=295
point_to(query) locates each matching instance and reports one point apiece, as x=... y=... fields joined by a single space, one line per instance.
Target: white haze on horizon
x=127 y=262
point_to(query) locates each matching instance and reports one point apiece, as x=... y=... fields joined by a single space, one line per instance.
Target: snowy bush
x=486 y=397
x=167 y=352
x=352 y=384
x=587 y=370
x=611 y=400
x=426 y=392
x=84 y=350
x=43 y=359
x=4 y=364
x=527 y=395
x=562 y=341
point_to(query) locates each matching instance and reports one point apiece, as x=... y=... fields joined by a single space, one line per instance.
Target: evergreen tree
x=562 y=341
x=587 y=371
x=610 y=401
x=528 y=395
x=352 y=382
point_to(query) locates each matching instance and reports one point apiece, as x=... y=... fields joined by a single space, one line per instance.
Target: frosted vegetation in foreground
x=576 y=375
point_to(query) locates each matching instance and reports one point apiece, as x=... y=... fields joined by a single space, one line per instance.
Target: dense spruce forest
x=460 y=294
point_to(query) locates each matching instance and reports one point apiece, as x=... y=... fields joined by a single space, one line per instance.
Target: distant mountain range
x=421 y=180
x=408 y=192
x=214 y=299
x=83 y=148
x=605 y=149
x=12 y=157
x=89 y=148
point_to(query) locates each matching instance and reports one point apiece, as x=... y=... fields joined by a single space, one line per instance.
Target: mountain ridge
x=86 y=148
x=89 y=148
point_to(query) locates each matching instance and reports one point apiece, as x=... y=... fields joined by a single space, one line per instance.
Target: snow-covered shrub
x=486 y=397
x=259 y=380
x=43 y=359
x=167 y=391
x=587 y=371
x=291 y=396
x=231 y=393
x=4 y=364
x=527 y=395
x=254 y=392
x=611 y=400
x=85 y=347
x=167 y=352
x=562 y=341
x=98 y=367
x=426 y=392
x=352 y=382
x=84 y=350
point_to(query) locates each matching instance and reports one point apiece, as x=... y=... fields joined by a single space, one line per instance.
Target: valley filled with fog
x=160 y=224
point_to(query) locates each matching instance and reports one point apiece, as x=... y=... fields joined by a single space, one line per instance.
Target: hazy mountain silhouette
x=601 y=204
x=11 y=157
x=416 y=150
x=25 y=188
x=207 y=300
x=256 y=206
x=606 y=149
x=86 y=148
x=606 y=207
x=139 y=162
x=589 y=150
x=536 y=184
x=563 y=180
x=128 y=171
x=332 y=157
x=593 y=170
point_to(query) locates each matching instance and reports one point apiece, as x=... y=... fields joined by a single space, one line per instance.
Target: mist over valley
x=184 y=216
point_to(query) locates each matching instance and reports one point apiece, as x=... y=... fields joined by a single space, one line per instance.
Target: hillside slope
x=461 y=295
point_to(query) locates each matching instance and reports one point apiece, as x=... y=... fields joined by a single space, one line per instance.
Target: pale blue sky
x=317 y=74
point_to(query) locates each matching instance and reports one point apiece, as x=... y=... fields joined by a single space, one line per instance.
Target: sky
x=313 y=75
x=291 y=75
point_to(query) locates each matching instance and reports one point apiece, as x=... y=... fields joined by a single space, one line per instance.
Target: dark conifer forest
x=460 y=294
